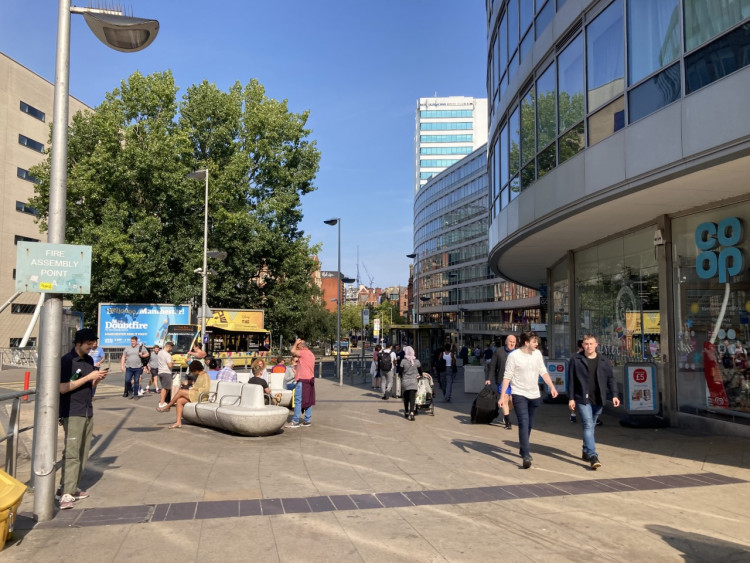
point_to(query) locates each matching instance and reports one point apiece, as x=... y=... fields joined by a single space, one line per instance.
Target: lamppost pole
x=124 y=34
x=204 y=304
x=337 y=222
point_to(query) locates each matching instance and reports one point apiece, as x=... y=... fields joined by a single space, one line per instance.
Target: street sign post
x=53 y=268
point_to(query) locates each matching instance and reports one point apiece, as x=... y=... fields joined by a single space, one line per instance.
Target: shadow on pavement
x=697 y=547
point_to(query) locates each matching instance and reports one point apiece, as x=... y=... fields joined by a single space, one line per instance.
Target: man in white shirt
x=165 y=372
x=387 y=365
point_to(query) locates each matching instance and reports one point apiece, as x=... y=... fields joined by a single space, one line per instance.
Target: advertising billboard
x=118 y=322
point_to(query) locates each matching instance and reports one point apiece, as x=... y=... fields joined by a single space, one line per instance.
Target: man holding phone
x=78 y=379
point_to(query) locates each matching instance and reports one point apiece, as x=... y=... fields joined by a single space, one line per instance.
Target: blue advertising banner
x=118 y=322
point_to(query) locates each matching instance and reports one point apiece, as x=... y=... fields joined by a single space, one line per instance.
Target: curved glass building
x=454 y=287
x=618 y=161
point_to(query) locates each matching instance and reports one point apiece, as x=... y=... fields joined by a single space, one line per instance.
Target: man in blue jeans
x=590 y=383
x=132 y=365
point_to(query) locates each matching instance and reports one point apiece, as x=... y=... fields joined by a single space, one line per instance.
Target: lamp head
x=331 y=222
x=411 y=256
x=122 y=33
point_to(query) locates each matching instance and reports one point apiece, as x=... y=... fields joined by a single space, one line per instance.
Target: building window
x=25 y=175
x=605 y=56
x=446 y=126
x=446 y=138
x=16 y=342
x=718 y=59
x=446 y=150
x=22 y=309
x=654 y=93
x=606 y=121
x=435 y=163
x=31 y=143
x=705 y=20
x=653 y=36
x=24 y=208
x=446 y=113
x=19 y=238
x=32 y=111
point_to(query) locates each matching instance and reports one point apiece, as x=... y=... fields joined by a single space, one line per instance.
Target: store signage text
x=719 y=254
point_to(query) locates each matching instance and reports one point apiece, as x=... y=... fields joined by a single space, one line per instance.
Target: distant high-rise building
x=447 y=129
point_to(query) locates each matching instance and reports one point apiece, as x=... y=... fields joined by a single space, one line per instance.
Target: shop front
x=680 y=303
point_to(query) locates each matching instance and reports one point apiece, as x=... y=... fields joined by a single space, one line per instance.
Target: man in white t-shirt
x=165 y=372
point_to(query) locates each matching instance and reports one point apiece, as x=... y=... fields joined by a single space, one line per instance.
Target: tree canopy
x=129 y=198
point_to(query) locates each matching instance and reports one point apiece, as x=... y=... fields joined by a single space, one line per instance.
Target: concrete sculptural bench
x=237 y=408
x=275 y=384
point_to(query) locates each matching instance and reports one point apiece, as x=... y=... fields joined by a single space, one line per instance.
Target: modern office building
x=26 y=101
x=447 y=129
x=619 y=158
x=453 y=286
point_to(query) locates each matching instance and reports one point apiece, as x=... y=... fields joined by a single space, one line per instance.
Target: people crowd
x=512 y=368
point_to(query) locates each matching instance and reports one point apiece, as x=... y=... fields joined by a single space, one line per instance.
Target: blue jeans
x=448 y=376
x=589 y=416
x=135 y=375
x=298 y=405
x=525 y=409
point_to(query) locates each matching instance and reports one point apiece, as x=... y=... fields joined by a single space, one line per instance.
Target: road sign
x=376 y=327
x=365 y=316
x=53 y=268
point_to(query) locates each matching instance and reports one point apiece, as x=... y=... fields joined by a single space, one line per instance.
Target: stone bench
x=276 y=385
x=239 y=408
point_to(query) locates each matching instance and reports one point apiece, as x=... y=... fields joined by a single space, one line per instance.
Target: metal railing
x=18 y=357
x=14 y=429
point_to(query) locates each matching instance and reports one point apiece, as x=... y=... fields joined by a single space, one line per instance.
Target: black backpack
x=384 y=362
x=142 y=350
x=485 y=409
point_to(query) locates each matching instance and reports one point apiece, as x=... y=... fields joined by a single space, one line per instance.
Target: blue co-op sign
x=720 y=256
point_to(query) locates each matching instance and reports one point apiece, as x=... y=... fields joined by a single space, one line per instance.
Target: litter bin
x=11 y=493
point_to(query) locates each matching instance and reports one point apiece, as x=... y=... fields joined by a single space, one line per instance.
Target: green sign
x=53 y=268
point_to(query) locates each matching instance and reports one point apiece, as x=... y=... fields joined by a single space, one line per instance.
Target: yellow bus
x=230 y=333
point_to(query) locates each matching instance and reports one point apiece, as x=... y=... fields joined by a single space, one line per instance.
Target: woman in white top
x=522 y=371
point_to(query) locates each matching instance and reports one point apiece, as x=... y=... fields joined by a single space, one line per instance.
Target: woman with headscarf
x=412 y=368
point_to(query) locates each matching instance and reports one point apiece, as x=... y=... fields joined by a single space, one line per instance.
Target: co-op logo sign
x=719 y=254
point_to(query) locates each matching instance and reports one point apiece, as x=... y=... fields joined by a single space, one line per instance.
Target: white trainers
x=140 y=393
x=162 y=405
x=67 y=501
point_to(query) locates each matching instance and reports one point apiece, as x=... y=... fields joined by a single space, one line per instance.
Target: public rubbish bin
x=11 y=493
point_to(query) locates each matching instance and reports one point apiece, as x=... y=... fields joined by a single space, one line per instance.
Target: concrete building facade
x=619 y=151
x=447 y=129
x=26 y=101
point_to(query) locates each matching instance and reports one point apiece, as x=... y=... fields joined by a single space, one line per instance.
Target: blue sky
x=358 y=66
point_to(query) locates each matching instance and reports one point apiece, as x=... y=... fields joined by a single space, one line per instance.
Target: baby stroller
x=425 y=395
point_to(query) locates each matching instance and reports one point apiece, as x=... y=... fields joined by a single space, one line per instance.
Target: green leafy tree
x=129 y=198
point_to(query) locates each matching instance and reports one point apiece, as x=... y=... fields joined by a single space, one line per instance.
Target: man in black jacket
x=497 y=369
x=589 y=383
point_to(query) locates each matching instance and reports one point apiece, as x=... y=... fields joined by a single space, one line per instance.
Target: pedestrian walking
x=522 y=371
x=496 y=371
x=409 y=381
x=132 y=364
x=589 y=382
x=387 y=363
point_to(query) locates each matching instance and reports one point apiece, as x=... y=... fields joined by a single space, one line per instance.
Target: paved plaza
x=364 y=484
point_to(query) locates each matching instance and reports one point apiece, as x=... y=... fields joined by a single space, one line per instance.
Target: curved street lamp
x=332 y=222
x=123 y=34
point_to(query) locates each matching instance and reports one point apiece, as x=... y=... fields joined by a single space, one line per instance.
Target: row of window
x=25 y=208
x=446 y=138
x=458 y=214
x=448 y=180
x=461 y=255
x=446 y=125
x=32 y=111
x=25 y=175
x=547 y=127
x=446 y=150
x=500 y=291
x=455 y=237
x=31 y=143
x=438 y=162
x=446 y=113
x=475 y=189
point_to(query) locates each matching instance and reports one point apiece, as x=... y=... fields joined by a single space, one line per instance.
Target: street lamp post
x=198 y=175
x=340 y=373
x=121 y=33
